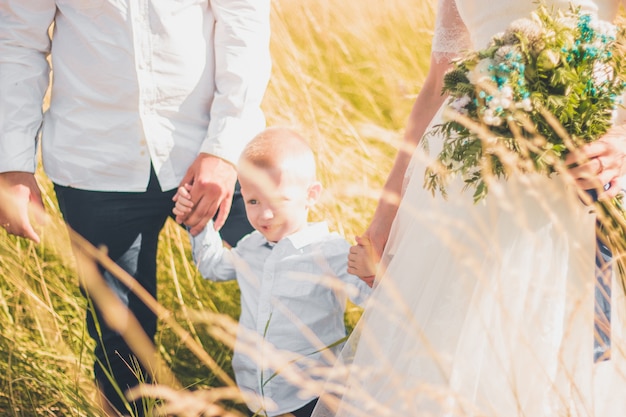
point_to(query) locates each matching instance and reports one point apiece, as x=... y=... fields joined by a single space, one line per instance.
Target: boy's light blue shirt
x=293 y=295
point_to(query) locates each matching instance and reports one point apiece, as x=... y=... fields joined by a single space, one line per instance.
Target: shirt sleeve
x=242 y=72
x=214 y=261
x=24 y=79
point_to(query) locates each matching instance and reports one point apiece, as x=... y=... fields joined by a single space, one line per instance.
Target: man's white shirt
x=134 y=82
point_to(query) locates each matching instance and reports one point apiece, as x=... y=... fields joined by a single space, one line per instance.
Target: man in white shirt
x=146 y=95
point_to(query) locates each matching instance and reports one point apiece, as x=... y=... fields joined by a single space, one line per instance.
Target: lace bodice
x=463 y=24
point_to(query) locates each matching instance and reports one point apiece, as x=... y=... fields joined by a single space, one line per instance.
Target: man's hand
x=19 y=197
x=212 y=181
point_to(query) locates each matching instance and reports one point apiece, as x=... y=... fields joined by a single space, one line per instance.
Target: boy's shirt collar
x=309 y=234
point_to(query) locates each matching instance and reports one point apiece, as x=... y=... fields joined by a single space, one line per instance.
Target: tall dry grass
x=345 y=75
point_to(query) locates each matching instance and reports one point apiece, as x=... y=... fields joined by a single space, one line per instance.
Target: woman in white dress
x=483 y=309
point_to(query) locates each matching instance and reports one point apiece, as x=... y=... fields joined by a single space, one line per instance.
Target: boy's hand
x=362 y=260
x=184 y=204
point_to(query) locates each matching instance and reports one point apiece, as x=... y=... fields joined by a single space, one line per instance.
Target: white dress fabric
x=484 y=309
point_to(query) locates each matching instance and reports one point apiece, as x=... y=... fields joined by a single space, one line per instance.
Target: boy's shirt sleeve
x=214 y=261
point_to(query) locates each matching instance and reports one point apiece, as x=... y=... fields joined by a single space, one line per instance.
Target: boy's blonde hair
x=280 y=150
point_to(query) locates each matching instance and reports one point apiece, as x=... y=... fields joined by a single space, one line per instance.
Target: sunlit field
x=344 y=75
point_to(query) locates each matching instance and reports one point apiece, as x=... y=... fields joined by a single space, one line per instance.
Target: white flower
x=602 y=27
x=525 y=105
x=490 y=118
x=567 y=21
x=526 y=28
x=482 y=72
x=458 y=104
x=505 y=52
x=502 y=99
x=494 y=103
x=506 y=96
x=505 y=103
x=602 y=73
x=604 y=32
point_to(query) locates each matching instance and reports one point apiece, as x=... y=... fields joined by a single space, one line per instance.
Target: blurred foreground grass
x=345 y=75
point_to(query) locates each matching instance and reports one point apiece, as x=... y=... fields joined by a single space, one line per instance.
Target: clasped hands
x=212 y=184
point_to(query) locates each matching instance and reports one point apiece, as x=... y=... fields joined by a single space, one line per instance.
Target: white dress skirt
x=484 y=309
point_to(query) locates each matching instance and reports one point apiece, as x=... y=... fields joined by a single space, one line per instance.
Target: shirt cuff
x=17 y=153
x=229 y=135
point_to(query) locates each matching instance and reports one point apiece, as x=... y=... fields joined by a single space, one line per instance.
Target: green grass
x=345 y=75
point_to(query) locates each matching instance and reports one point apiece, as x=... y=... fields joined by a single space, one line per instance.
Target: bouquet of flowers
x=547 y=85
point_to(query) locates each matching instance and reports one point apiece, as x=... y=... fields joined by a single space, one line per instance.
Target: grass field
x=345 y=75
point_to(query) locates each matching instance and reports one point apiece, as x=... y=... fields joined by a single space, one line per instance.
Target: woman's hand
x=599 y=165
x=378 y=231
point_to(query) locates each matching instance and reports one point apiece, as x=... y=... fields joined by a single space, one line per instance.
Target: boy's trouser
x=128 y=224
x=304 y=411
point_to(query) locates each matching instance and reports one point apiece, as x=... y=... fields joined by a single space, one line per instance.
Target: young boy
x=292 y=274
